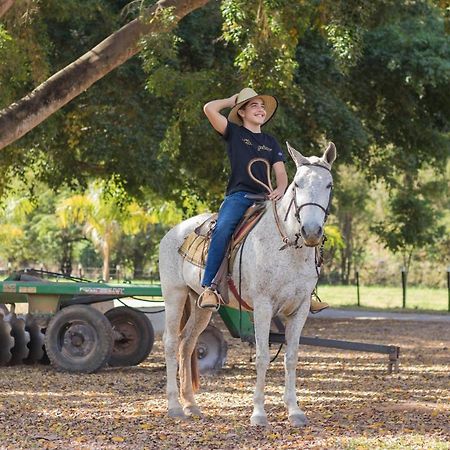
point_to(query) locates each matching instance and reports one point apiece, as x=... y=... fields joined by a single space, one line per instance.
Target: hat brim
x=270 y=103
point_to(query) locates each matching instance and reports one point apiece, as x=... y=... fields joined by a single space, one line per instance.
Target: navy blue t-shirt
x=242 y=146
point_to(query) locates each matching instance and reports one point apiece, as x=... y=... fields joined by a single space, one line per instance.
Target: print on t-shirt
x=243 y=146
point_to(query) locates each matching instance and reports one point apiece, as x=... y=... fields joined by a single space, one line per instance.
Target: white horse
x=274 y=282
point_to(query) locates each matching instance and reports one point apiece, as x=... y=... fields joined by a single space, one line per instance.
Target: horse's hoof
x=177 y=413
x=298 y=420
x=259 y=421
x=192 y=411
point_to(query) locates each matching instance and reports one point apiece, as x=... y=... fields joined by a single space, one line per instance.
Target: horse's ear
x=329 y=155
x=298 y=158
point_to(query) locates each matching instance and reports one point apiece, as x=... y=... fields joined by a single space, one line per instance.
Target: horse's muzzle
x=312 y=236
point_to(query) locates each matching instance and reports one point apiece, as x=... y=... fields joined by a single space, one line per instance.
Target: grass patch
x=385 y=297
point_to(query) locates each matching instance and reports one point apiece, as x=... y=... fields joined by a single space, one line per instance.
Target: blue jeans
x=230 y=214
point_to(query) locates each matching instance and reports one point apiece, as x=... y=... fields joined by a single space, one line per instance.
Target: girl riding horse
x=245 y=141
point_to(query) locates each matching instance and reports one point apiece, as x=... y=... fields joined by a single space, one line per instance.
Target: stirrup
x=322 y=305
x=316 y=299
x=216 y=294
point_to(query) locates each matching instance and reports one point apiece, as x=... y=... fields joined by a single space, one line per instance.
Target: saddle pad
x=195 y=249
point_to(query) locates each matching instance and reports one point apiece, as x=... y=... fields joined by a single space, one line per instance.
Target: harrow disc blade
x=21 y=339
x=211 y=350
x=6 y=341
x=36 y=344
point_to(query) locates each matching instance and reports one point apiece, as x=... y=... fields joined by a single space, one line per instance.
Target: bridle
x=299 y=208
x=287 y=242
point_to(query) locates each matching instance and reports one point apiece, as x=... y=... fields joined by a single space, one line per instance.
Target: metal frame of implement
x=43 y=297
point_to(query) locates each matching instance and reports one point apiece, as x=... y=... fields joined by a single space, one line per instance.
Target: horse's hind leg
x=175 y=300
x=197 y=322
x=294 y=326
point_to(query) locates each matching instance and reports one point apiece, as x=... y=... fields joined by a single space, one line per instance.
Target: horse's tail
x=195 y=376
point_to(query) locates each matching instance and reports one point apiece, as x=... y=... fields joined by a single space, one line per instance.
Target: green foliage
x=412 y=223
x=13 y=67
x=371 y=76
x=266 y=33
x=352 y=215
x=406 y=67
x=334 y=238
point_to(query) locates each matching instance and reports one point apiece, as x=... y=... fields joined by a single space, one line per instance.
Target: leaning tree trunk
x=4 y=6
x=21 y=117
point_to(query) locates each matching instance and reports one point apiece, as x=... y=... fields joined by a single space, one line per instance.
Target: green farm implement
x=61 y=327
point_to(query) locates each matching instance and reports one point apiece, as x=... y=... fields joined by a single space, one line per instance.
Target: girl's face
x=253 y=112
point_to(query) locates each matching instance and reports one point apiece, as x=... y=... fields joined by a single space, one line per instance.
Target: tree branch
x=21 y=117
x=4 y=6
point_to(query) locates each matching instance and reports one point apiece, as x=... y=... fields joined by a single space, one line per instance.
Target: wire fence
x=117 y=274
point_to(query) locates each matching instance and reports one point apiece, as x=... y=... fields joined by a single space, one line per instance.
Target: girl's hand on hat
x=233 y=100
x=276 y=194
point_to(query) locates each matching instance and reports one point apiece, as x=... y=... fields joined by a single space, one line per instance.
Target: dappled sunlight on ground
x=350 y=400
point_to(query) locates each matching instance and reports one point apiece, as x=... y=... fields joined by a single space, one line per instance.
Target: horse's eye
x=330 y=185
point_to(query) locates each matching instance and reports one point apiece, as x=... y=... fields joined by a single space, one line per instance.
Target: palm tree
x=106 y=212
x=12 y=220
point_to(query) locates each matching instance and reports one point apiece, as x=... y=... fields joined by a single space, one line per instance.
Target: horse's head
x=311 y=190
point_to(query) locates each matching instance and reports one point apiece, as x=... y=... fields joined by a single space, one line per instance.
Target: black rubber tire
x=137 y=333
x=78 y=339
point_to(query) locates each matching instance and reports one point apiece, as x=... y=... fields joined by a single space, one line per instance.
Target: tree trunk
x=346 y=252
x=106 y=258
x=4 y=6
x=21 y=117
x=65 y=265
x=106 y=253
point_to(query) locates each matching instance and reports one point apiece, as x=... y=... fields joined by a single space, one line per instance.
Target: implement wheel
x=211 y=350
x=133 y=336
x=79 y=339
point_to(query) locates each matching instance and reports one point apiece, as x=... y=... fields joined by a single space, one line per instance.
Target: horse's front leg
x=294 y=326
x=262 y=318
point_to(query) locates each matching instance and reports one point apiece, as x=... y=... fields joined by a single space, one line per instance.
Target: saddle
x=196 y=244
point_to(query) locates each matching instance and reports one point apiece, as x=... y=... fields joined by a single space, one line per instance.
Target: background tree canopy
x=373 y=77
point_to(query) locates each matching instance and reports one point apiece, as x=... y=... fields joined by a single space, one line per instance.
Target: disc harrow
x=62 y=327
x=36 y=344
x=21 y=339
x=6 y=340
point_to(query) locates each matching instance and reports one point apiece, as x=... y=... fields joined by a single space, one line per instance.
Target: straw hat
x=270 y=103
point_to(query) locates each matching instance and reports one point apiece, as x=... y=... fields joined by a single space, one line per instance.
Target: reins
x=269 y=188
x=287 y=242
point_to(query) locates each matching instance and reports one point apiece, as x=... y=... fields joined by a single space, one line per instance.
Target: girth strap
x=235 y=292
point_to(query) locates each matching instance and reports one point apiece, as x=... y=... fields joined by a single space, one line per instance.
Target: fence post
x=448 y=287
x=357 y=288
x=404 y=276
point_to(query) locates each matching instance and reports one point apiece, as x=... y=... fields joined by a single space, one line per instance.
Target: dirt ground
x=350 y=400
